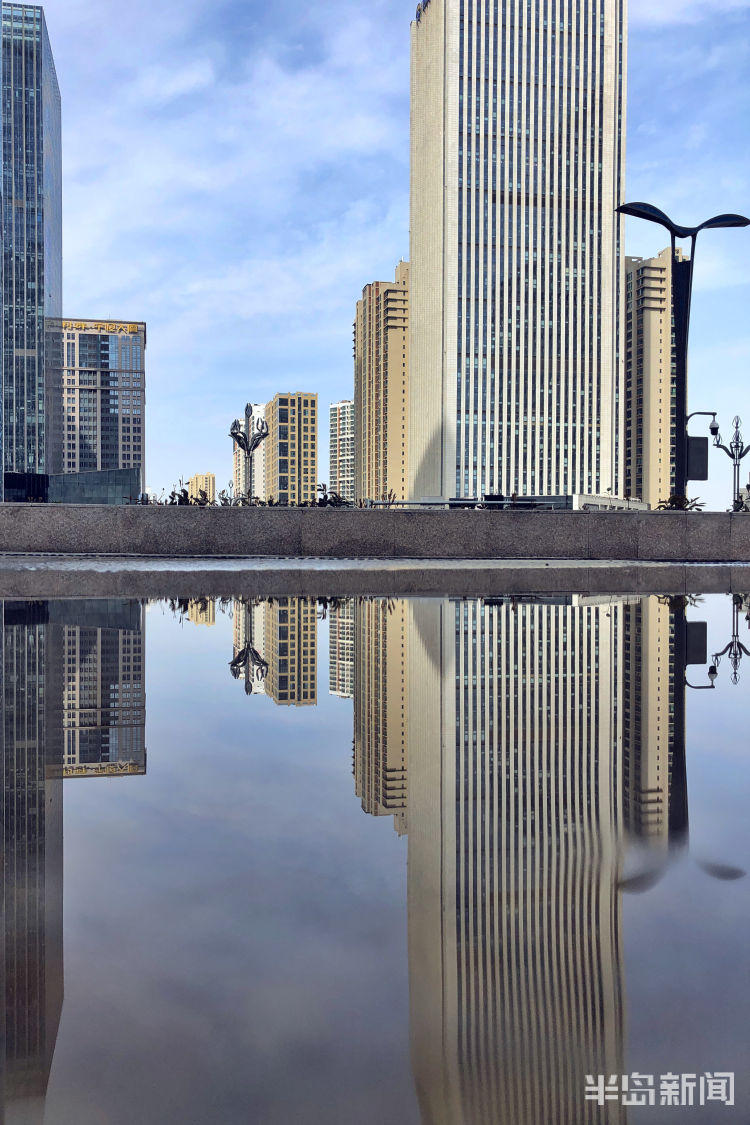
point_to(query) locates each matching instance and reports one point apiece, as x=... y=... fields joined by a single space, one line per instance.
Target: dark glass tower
x=31 y=433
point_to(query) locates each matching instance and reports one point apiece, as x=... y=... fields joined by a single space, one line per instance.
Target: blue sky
x=234 y=173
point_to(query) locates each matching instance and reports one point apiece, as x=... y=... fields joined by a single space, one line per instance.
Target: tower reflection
x=73 y=706
x=515 y=808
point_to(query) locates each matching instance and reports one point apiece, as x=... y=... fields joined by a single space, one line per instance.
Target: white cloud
x=681 y=11
x=236 y=172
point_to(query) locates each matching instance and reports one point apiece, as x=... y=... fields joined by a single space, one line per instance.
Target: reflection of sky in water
x=686 y=940
x=235 y=925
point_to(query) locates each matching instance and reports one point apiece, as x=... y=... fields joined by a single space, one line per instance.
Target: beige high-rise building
x=516 y=287
x=202 y=482
x=104 y=395
x=650 y=418
x=380 y=708
x=381 y=388
x=291 y=448
x=341 y=449
x=291 y=651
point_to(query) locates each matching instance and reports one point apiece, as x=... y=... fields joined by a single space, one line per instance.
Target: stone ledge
x=379 y=533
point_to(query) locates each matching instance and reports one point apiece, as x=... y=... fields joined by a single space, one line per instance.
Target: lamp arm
x=745 y=450
x=718 y=445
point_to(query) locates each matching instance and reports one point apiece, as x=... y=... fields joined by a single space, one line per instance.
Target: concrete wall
x=380 y=533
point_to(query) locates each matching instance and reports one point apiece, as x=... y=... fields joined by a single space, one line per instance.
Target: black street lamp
x=682 y=287
x=735 y=451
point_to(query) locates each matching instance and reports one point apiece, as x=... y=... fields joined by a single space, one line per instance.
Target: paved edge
x=48 y=576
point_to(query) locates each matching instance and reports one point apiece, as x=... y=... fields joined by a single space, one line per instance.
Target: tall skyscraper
x=31 y=430
x=381 y=388
x=517 y=148
x=381 y=731
x=248 y=473
x=291 y=448
x=341 y=449
x=341 y=649
x=650 y=413
x=103 y=396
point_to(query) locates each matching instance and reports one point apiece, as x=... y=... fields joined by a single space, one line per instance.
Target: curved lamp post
x=248 y=442
x=735 y=451
x=682 y=287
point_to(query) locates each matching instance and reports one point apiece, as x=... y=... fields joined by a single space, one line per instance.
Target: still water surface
x=366 y=861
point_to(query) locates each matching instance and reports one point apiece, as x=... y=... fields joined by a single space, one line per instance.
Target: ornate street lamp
x=735 y=451
x=682 y=287
x=248 y=442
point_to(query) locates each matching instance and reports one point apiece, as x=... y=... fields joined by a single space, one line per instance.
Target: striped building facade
x=517 y=152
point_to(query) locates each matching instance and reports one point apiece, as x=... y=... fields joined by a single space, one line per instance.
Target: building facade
x=381 y=388
x=650 y=414
x=103 y=395
x=291 y=453
x=31 y=430
x=202 y=482
x=341 y=449
x=517 y=150
x=248 y=473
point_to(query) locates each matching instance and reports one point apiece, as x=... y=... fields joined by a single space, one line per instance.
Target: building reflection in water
x=539 y=738
x=73 y=704
x=520 y=744
x=380 y=708
x=276 y=649
x=341 y=649
x=515 y=799
x=104 y=692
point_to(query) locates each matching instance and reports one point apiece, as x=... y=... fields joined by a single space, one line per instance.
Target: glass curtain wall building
x=517 y=154
x=32 y=245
